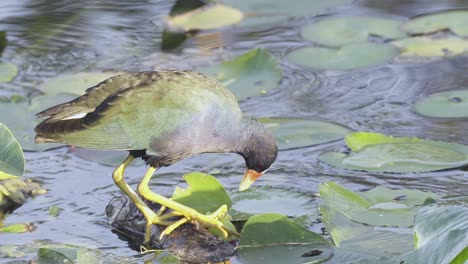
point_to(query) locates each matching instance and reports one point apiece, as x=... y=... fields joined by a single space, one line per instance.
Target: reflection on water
x=50 y=37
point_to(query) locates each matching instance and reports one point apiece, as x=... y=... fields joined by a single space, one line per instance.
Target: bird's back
x=159 y=111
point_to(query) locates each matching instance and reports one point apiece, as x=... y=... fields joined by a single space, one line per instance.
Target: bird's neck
x=247 y=129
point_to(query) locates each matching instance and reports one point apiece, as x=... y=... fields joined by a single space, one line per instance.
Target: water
x=47 y=38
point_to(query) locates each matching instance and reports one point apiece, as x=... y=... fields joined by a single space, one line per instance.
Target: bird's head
x=259 y=153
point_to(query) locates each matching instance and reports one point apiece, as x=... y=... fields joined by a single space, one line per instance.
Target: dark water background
x=47 y=38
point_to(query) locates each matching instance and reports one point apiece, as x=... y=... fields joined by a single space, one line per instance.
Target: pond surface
x=46 y=38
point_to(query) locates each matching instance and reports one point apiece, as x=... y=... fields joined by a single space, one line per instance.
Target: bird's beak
x=249 y=177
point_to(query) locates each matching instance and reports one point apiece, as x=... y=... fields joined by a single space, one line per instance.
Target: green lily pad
x=359 y=140
x=297 y=132
x=44 y=252
x=11 y=154
x=8 y=71
x=381 y=153
x=366 y=207
x=452 y=104
x=456 y=21
x=204 y=194
x=428 y=47
x=75 y=83
x=349 y=57
x=339 y=31
x=16 y=228
x=275 y=237
x=259 y=12
x=441 y=233
x=363 y=239
x=20 y=118
x=268 y=200
x=204 y=18
x=251 y=74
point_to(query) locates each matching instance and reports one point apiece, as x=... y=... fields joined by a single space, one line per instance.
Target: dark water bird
x=162 y=117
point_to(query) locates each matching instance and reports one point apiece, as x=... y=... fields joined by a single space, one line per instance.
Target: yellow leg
x=190 y=215
x=150 y=216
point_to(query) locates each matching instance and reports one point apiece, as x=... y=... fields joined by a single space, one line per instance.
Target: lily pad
x=204 y=194
x=44 y=252
x=251 y=74
x=268 y=200
x=16 y=228
x=8 y=71
x=455 y=21
x=259 y=12
x=381 y=153
x=452 y=104
x=204 y=18
x=275 y=237
x=293 y=133
x=339 y=31
x=349 y=57
x=366 y=207
x=364 y=240
x=429 y=47
x=20 y=118
x=11 y=154
x=441 y=231
x=76 y=83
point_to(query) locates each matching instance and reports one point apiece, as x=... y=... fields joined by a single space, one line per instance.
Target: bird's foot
x=212 y=220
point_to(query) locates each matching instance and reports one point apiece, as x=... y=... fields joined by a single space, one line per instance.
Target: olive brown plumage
x=162 y=117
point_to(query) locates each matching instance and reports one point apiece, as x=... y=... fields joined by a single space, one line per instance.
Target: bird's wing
x=132 y=117
x=94 y=96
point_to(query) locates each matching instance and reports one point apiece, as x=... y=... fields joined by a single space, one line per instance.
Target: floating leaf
x=339 y=31
x=54 y=210
x=8 y=71
x=429 y=47
x=444 y=104
x=171 y=40
x=364 y=239
x=204 y=194
x=349 y=57
x=442 y=233
x=20 y=118
x=275 y=237
x=253 y=73
x=366 y=207
x=16 y=228
x=268 y=200
x=11 y=155
x=456 y=21
x=204 y=18
x=380 y=153
x=75 y=83
x=297 y=132
x=358 y=140
x=63 y=253
x=275 y=11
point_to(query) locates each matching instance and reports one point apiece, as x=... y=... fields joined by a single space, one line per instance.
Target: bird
x=162 y=117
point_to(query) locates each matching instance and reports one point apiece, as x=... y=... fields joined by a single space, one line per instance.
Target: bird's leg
x=212 y=220
x=150 y=216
